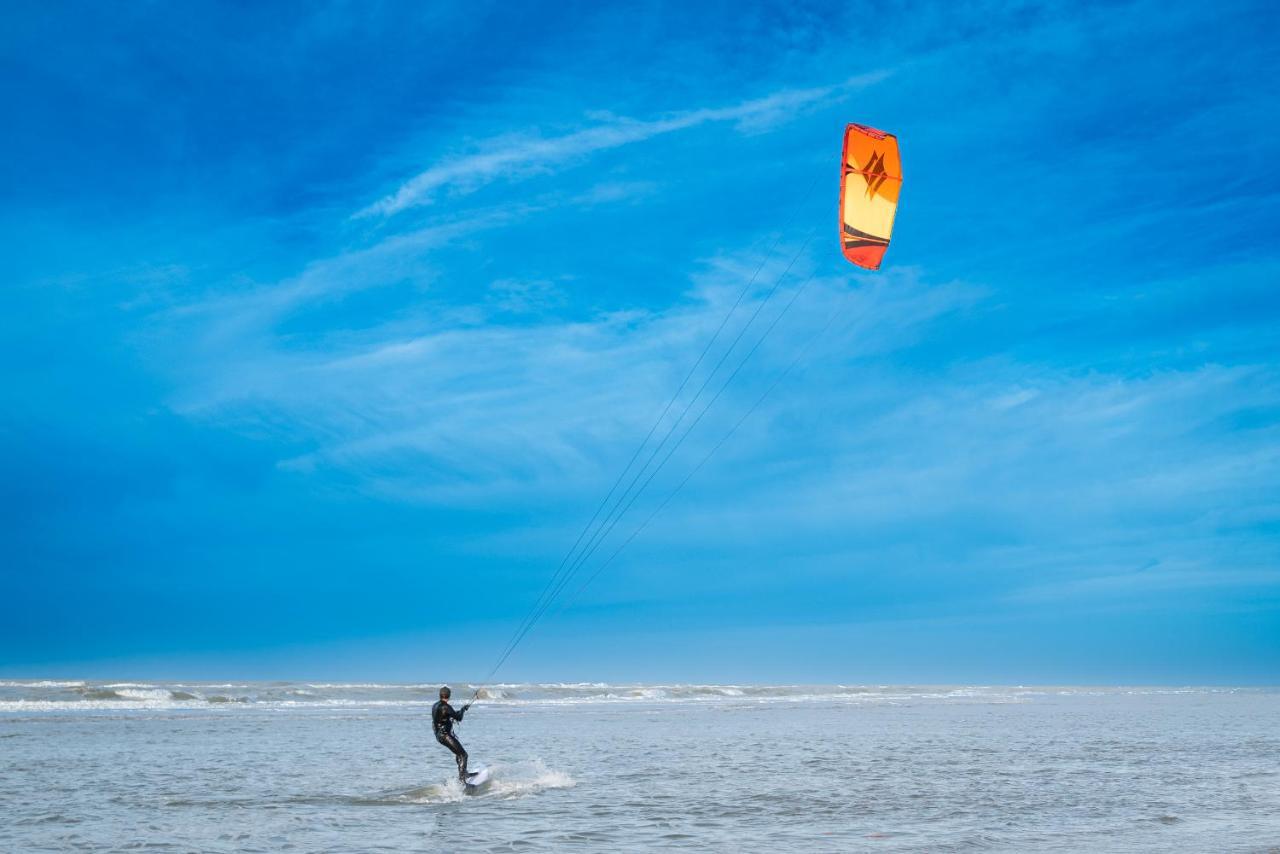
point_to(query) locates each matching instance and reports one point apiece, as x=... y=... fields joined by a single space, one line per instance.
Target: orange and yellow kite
x=870 y=179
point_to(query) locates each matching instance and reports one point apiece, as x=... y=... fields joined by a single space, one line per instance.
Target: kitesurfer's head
x=445 y=692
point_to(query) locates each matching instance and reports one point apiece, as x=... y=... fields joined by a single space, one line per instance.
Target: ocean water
x=594 y=767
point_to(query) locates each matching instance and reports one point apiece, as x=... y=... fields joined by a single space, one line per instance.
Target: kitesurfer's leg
x=459 y=754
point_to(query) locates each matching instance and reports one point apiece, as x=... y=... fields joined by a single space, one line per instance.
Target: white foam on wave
x=144 y=693
x=643 y=694
x=42 y=683
x=341 y=703
x=24 y=706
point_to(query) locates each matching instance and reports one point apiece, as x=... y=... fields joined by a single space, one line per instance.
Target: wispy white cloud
x=492 y=409
x=513 y=155
x=989 y=456
x=397 y=256
x=401 y=256
x=1022 y=476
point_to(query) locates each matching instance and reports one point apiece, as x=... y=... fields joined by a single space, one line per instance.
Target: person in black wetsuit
x=442 y=718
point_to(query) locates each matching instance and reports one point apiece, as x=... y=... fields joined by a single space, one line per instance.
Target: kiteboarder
x=442 y=717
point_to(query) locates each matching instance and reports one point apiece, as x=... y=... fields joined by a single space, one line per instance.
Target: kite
x=870 y=179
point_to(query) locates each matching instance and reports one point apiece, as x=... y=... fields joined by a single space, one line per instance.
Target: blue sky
x=327 y=326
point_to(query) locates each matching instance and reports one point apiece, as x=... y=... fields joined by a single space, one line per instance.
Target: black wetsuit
x=442 y=718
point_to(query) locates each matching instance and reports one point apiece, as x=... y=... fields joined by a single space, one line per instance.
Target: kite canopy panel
x=870 y=179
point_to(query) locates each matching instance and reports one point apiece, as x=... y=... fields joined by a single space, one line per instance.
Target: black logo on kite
x=874 y=174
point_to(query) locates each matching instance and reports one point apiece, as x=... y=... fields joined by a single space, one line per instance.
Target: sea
x=337 y=767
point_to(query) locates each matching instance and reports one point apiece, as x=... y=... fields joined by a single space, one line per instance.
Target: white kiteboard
x=477 y=778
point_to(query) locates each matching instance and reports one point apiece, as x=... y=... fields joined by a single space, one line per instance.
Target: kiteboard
x=477 y=778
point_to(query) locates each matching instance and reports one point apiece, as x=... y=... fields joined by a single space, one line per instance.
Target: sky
x=328 y=326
